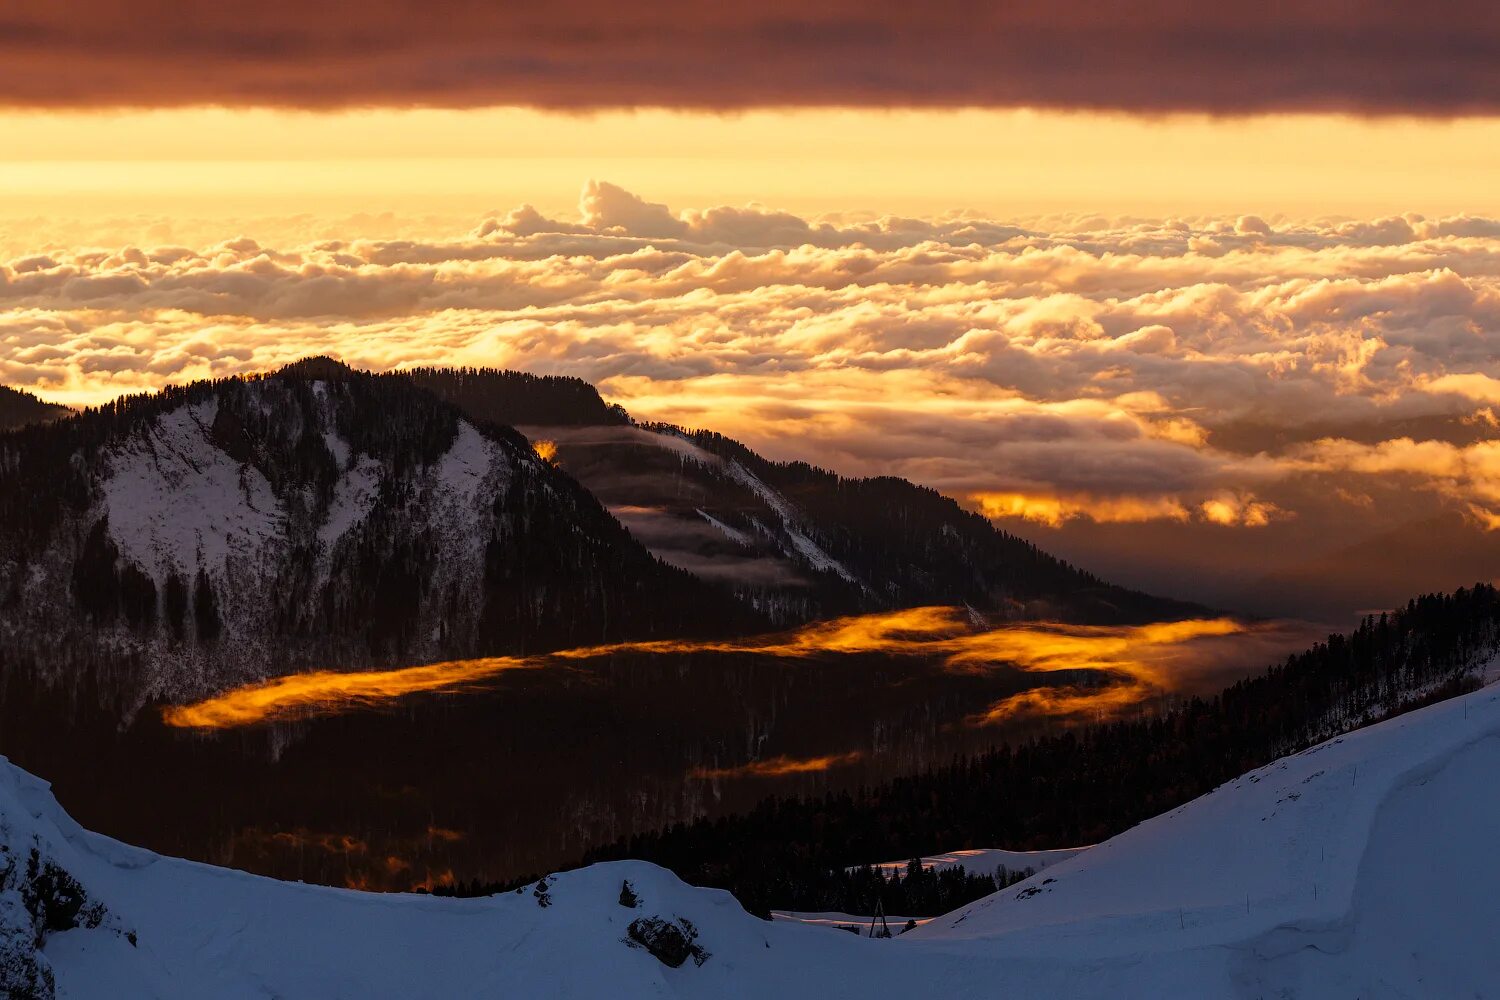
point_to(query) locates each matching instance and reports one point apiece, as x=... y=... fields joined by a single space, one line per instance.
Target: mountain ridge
x=347 y=521
x=321 y=516
x=19 y=408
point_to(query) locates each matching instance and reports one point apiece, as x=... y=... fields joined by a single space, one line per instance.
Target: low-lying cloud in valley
x=1185 y=404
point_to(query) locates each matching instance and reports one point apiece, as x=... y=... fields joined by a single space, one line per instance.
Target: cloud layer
x=1441 y=57
x=1208 y=374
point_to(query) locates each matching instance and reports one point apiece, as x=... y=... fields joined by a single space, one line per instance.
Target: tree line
x=1087 y=784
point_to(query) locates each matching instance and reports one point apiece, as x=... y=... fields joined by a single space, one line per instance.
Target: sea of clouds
x=1236 y=373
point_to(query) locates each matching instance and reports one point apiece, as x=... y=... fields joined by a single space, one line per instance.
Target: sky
x=1202 y=297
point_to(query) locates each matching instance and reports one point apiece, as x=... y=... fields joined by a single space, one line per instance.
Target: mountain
x=499 y=396
x=1362 y=866
x=228 y=530
x=17 y=409
x=166 y=547
x=793 y=542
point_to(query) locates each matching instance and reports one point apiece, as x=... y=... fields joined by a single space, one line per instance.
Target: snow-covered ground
x=846 y=922
x=1364 y=867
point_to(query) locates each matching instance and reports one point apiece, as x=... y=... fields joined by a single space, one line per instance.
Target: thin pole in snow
x=1182 y=924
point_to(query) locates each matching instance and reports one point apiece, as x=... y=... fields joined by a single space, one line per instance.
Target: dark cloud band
x=1156 y=55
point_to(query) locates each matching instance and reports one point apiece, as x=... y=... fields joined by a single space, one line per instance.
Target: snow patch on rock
x=805 y=547
x=354 y=496
x=176 y=502
x=733 y=534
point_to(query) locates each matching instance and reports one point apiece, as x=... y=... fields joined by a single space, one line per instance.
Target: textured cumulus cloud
x=1439 y=57
x=1205 y=377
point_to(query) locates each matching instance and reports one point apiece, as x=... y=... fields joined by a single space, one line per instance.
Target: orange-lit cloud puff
x=778 y=767
x=1057 y=372
x=1153 y=55
x=322 y=691
x=1126 y=664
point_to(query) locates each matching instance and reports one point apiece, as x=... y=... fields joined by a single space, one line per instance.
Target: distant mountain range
x=199 y=537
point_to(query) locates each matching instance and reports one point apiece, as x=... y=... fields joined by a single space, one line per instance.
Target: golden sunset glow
x=321 y=691
x=777 y=767
x=1131 y=656
x=226 y=164
x=856 y=430
x=545 y=450
x=1053 y=511
x=1159 y=316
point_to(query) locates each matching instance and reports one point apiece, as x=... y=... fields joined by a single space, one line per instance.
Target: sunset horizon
x=624 y=501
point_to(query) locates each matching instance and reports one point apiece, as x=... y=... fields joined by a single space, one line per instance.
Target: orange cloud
x=1473 y=385
x=1064 y=371
x=1230 y=510
x=1223 y=508
x=943 y=633
x=433 y=880
x=777 y=767
x=1468 y=474
x=1053 y=511
x=546 y=450
x=323 y=690
x=302 y=840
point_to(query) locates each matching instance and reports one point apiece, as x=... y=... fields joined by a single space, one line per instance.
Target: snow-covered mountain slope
x=176 y=929
x=219 y=532
x=319 y=516
x=1362 y=867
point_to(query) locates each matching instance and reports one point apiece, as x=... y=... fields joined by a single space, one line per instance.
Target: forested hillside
x=510 y=397
x=17 y=409
x=1085 y=785
x=231 y=529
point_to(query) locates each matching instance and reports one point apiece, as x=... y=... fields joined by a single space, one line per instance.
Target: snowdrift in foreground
x=1363 y=867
